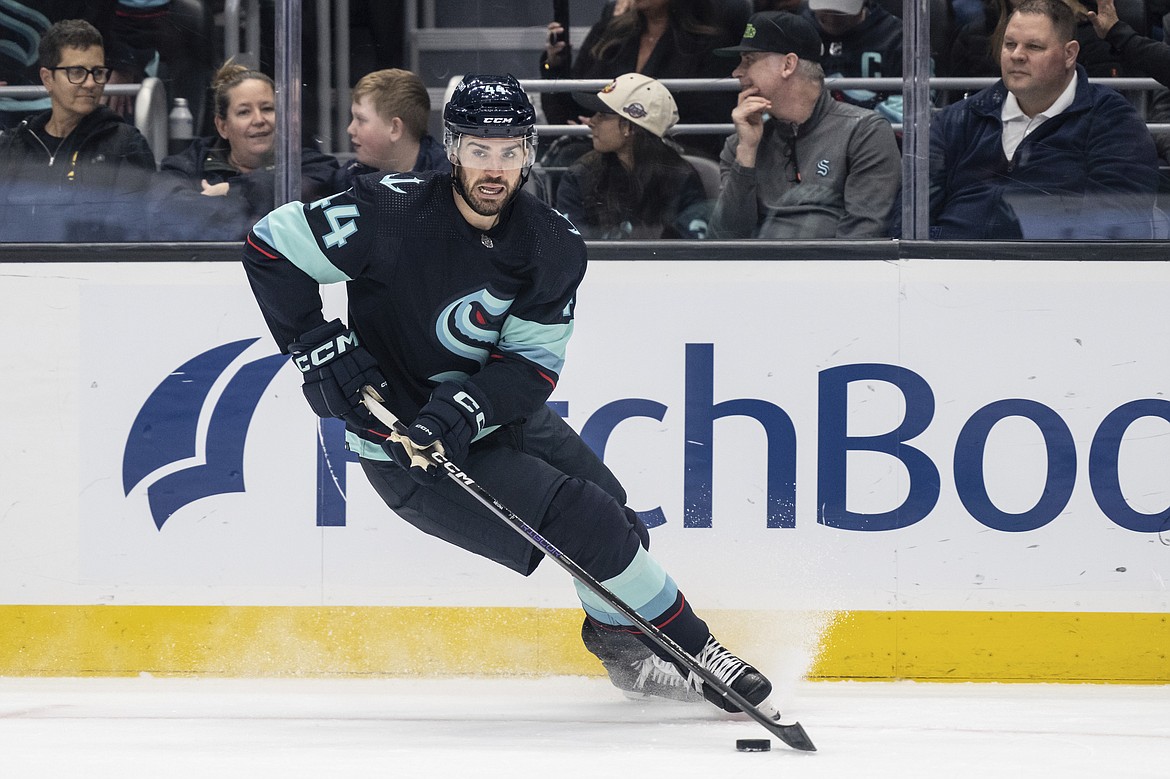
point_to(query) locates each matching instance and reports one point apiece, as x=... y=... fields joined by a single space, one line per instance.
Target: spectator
x=800 y=164
x=134 y=32
x=1144 y=55
x=634 y=184
x=1042 y=153
x=1099 y=60
x=75 y=172
x=1158 y=112
x=390 y=112
x=1140 y=56
x=659 y=38
x=167 y=39
x=21 y=27
x=234 y=168
x=978 y=45
x=965 y=12
x=862 y=40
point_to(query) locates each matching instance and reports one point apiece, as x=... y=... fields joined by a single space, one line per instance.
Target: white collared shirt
x=1017 y=125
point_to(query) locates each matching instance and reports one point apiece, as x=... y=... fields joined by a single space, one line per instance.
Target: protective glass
x=76 y=74
x=471 y=151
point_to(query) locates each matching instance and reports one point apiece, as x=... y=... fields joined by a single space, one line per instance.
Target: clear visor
x=471 y=151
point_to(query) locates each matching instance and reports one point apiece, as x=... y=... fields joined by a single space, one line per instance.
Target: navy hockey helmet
x=487 y=106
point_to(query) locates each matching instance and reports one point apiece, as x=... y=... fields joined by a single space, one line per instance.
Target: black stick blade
x=794 y=736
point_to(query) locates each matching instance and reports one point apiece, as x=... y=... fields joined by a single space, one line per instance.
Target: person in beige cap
x=634 y=183
x=800 y=164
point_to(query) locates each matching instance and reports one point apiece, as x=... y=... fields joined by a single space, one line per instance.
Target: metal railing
x=231 y=27
x=675 y=85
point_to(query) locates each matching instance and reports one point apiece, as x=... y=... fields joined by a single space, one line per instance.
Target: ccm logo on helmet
x=497 y=120
x=326 y=352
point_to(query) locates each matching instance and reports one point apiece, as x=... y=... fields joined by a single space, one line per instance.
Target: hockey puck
x=753 y=745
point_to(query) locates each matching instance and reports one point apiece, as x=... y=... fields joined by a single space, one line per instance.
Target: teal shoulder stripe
x=542 y=344
x=286 y=230
x=644 y=586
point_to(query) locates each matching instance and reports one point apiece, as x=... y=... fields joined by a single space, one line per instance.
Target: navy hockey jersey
x=430 y=296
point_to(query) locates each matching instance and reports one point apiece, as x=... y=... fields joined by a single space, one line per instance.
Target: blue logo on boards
x=164 y=440
x=165 y=431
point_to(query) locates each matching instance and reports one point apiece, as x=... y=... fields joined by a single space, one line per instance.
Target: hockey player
x=461 y=291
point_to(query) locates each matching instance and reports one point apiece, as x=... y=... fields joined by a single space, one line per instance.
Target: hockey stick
x=793 y=735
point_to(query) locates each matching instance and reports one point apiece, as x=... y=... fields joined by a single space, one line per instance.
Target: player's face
x=487 y=191
x=76 y=99
x=372 y=136
x=250 y=124
x=489 y=170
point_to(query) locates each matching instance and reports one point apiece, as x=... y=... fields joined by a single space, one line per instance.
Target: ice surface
x=563 y=728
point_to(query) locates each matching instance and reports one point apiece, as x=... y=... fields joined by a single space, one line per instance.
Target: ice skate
x=737 y=675
x=634 y=669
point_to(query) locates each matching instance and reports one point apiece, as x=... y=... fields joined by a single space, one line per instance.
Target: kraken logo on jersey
x=469 y=326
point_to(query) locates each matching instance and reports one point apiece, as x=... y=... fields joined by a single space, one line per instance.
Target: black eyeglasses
x=790 y=154
x=76 y=74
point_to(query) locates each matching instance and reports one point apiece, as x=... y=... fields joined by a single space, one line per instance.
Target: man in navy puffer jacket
x=1042 y=154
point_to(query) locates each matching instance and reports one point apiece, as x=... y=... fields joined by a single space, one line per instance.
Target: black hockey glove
x=447 y=422
x=335 y=368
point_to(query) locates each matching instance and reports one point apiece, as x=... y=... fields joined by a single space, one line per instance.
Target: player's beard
x=469 y=179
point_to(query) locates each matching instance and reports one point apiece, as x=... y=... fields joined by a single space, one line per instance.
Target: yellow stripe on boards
x=986 y=646
x=280 y=640
x=408 y=641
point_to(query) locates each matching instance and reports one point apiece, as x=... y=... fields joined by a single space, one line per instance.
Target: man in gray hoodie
x=800 y=164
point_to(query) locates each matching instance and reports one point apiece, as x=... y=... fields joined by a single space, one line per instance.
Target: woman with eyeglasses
x=220 y=185
x=76 y=172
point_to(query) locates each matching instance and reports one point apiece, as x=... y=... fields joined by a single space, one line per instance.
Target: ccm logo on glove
x=326 y=352
x=335 y=367
x=468 y=402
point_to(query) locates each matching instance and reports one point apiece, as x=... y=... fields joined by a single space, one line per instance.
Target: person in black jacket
x=1143 y=55
x=1042 y=153
x=658 y=38
x=76 y=172
x=862 y=40
x=634 y=184
x=388 y=131
x=22 y=24
x=220 y=185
